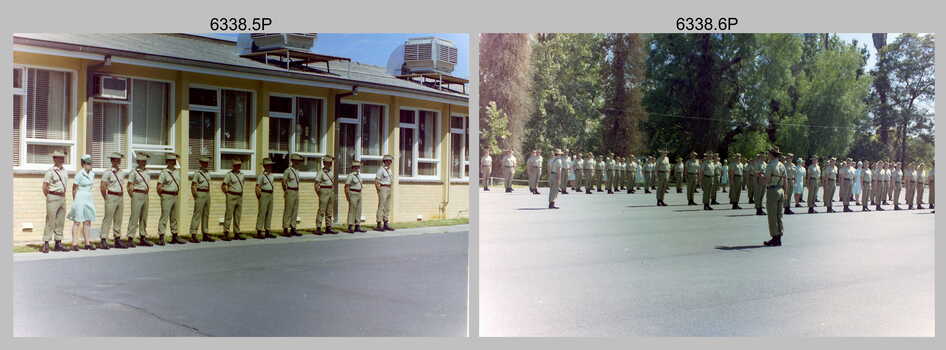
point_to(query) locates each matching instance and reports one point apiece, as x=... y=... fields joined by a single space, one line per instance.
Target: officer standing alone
x=774 y=178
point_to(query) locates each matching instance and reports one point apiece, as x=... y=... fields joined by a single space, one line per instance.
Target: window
x=43 y=113
x=222 y=125
x=362 y=136
x=459 y=147
x=141 y=123
x=296 y=126
x=419 y=144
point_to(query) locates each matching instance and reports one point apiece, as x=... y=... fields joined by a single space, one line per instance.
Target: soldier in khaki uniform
x=382 y=183
x=233 y=187
x=113 y=193
x=717 y=177
x=736 y=169
x=588 y=172
x=830 y=180
x=663 y=177
x=678 y=175
x=632 y=168
x=533 y=169
x=709 y=174
x=789 y=183
x=931 y=180
x=353 y=195
x=290 y=190
x=54 y=189
x=867 y=186
x=813 y=182
x=200 y=192
x=325 y=190
x=909 y=177
x=169 y=184
x=774 y=179
x=555 y=177
x=920 y=183
x=509 y=168
x=264 y=200
x=486 y=170
x=138 y=189
x=759 y=183
x=601 y=174
x=692 y=171
x=896 y=180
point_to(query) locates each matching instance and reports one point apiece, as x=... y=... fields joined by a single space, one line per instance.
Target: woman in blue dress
x=724 y=180
x=800 y=173
x=857 y=183
x=82 y=212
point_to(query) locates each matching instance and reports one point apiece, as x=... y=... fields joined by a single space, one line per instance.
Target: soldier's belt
x=116 y=193
x=292 y=188
x=266 y=191
x=737 y=176
x=169 y=193
x=385 y=185
x=235 y=193
x=61 y=194
x=774 y=187
x=326 y=187
x=203 y=190
x=354 y=190
x=663 y=171
x=140 y=191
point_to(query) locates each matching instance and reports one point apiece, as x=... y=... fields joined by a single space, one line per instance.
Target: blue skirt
x=83 y=209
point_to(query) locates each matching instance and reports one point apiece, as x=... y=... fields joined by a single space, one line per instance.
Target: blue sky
x=375 y=49
x=867 y=39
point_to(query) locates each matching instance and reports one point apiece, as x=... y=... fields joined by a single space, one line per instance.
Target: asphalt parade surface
x=607 y=265
x=402 y=283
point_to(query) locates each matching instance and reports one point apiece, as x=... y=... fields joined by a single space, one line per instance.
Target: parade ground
x=410 y=282
x=615 y=265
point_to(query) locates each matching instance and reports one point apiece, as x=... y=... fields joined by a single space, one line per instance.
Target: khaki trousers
x=759 y=191
x=201 y=216
x=168 y=214
x=55 y=217
x=919 y=192
x=554 y=186
x=486 y=173
x=691 y=187
x=663 y=179
x=290 y=208
x=735 y=189
x=787 y=197
x=867 y=191
x=707 y=189
x=354 y=208
x=113 y=216
x=812 y=192
x=264 y=214
x=326 y=206
x=911 y=192
x=233 y=213
x=773 y=205
x=897 y=186
x=139 y=215
x=507 y=176
x=533 y=173
x=384 y=204
x=828 y=198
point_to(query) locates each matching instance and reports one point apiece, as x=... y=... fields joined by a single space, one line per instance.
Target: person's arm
x=129 y=183
x=259 y=190
x=347 y=188
x=45 y=189
x=194 y=186
x=223 y=185
x=74 y=189
x=103 y=187
x=161 y=180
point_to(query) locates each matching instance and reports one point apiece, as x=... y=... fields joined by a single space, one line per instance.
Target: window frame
x=293 y=118
x=72 y=109
x=218 y=141
x=415 y=147
x=465 y=132
x=129 y=131
x=359 y=132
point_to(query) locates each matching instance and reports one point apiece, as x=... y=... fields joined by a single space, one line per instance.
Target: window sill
x=419 y=180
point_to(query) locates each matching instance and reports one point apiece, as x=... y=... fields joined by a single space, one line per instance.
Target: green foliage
x=504 y=78
x=750 y=143
x=495 y=130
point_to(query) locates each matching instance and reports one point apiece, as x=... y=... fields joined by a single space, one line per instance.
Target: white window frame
x=129 y=132
x=218 y=110
x=464 y=176
x=323 y=124
x=358 y=121
x=416 y=130
x=72 y=110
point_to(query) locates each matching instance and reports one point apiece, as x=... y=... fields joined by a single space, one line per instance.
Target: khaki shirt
x=234 y=182
x=290 y=177
x=383 y=176
x=601 y=165
x=325 y=178
x=678 y=168
x=170 y=181
x=56 y=178
x=814 y=172
x=555 y=166
x=266 y=182
x=737 y=169
x=486 y=161
x=709 y=169
x=775 y=172
x=693 y=166
x=509 y=161
x=866 y=175
x=354 y=180
x=138 y=180
x=896 y=175
x=113 y=181
x=663 y=164
x=534 y=162
x=588 y=164
x=830 y=172
x=202 y=179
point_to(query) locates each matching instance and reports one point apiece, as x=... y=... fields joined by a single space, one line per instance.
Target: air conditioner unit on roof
x=430 y=54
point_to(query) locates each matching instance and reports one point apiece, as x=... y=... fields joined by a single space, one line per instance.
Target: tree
x=495 y=131
x=880 y=102
x=504 y=79
x=623 y=77
x=912 y=87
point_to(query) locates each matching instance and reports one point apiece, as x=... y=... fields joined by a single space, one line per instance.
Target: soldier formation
x=771 y=180
x=115 y=184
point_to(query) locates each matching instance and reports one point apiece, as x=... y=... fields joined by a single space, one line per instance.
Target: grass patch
x=35 y=247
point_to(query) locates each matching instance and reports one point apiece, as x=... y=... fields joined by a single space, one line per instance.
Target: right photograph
x=717 y=184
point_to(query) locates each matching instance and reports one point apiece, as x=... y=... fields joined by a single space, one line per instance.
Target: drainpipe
x=338 y=113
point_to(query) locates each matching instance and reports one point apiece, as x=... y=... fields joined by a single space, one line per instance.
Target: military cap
x=237 y=162
x=662 y=151
x=170 y=156
x=775 y=151
x=387 y=157
x=328 y=159
x=58 y=153
x=693 y=153
x=267 y=161
x=142 y=156
x=295 y=156
x=204 y=159
x=116 y=155
x=356 y=164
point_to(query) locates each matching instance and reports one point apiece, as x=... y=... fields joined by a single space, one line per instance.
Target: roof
x=195 y=49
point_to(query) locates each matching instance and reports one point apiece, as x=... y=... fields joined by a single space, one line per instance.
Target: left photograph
x=256 y=184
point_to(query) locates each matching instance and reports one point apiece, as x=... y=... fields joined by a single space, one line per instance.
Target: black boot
x=897 y=207
x=386 y=227
x=797 y=205
x=294 y=232
x=131 y=242
x=691 y=203
x=330 y=230
x=552 y=205
x=878 y=208
x=119 y=244
x=285 y=232
x=269 y=234
x=161 y=240
x=378 y=227
x=104 y=244
x=142 y=241
x=734 y=206
x=358 y=229
x=259 y=235
x=864 y=208
x=774 y=242
x=811 y=210
x=318 y=231
x=45 y=248
x=707 y=207
x=207 y=238
x=910 y=207
x=714 y=203
x=226 y=236
x=759 y=211
x=587 y=191
x=920 y=207
x=486 y=188
x=350 y=230
x=788 y=211
x=176 y=240
x=194 y=238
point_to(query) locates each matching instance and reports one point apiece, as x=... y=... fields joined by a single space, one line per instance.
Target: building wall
x=410 y=199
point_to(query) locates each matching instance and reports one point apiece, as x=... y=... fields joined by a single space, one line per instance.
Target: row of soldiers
x=136 y=183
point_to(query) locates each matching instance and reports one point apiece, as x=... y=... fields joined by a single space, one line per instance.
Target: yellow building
x=161 y=93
